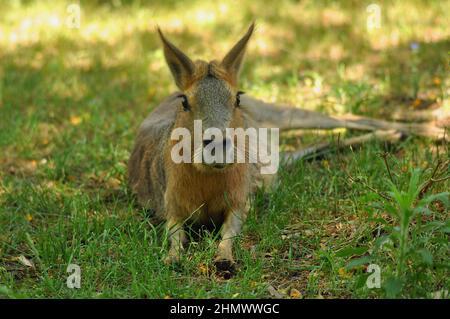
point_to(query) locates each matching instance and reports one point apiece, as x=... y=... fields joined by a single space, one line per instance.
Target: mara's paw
x=225 y=267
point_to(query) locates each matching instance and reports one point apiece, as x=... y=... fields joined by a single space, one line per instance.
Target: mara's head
x=210 y=94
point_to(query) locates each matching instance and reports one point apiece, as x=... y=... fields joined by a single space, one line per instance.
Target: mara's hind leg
x=287 y=118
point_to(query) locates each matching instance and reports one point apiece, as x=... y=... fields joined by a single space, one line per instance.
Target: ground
x=71 y=100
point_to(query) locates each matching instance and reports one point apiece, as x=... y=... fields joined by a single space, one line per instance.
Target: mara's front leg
x=230 y=229
x=175 y=228
x=177 y=237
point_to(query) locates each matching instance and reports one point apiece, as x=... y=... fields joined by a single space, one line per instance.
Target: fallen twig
x=384 y=156
x=436 y=176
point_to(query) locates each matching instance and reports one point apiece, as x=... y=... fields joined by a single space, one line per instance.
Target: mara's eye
x=185 y=102
x=238 y=98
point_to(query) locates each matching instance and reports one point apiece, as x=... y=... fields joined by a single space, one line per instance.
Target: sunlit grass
x=286 y=41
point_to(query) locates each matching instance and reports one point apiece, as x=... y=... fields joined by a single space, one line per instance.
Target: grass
x=72 y=99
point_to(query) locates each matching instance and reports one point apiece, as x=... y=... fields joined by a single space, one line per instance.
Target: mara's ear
x=180 y=65
x=233 y=60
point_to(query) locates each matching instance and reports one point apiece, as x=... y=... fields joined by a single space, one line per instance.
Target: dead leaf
x=25 y=261
x=437 y=81
x=344 y=273
x=416 y=103
x=75 y=120
x=295 y=294
x=203 y=269
x=273 y=292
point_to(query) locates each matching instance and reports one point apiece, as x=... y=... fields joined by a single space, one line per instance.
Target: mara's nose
x=224 y=146
x=225 y=142
x=206 y=142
